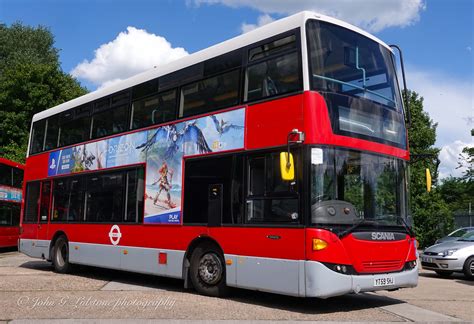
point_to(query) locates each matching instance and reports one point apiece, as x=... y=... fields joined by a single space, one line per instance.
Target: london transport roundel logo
x=115 y=235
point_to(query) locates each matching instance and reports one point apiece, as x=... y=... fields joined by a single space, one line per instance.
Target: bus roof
x=12 y=163
x=256 y=35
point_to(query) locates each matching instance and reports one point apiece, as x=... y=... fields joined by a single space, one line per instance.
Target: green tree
x=466 y=159
x=431 y=216
x=458 y=193
x=31 y=80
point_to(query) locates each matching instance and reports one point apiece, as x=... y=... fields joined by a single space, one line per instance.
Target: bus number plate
x=384 y=281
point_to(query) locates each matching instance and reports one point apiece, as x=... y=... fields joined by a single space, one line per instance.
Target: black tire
x=444 y=274
x=60 y=255
x=468 y=268
x=207 y=270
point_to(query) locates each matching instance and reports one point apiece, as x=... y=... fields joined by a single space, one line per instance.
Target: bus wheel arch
x=53 y=241
x=59 y=253
x=207 y=248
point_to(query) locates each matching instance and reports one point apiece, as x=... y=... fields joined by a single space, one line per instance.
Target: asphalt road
x=30 y=290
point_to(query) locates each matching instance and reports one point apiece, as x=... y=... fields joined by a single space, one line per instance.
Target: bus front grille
x=390 y=265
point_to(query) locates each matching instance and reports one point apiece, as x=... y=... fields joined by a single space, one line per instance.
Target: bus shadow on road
x=135 y=281
x=8 y=249
x=37 y=265
x=351 y=302
x=127 y=278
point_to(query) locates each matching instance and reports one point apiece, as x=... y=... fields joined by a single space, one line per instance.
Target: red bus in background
x=275 y=161
x=11 y=181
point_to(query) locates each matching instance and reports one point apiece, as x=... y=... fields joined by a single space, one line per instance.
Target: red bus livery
x=275 y=161
x=11 y=180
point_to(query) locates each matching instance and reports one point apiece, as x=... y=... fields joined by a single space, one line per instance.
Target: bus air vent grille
x=390 y=265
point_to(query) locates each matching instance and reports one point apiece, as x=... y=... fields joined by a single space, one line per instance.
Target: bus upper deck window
x=271 y=48
x=273 y=77
x=38 y=136
x=153 y=110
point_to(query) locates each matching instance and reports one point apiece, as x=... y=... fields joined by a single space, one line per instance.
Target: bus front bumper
x=323 y=282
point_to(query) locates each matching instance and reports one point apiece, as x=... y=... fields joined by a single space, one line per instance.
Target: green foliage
x=31 y=80
x=458 y=193
x=421 y=140
x=15 y=151
x=431 y=215
x=19 y=43
x=466 y=159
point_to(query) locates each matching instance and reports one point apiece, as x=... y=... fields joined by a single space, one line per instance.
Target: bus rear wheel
x=207 y=271
x=61 y=255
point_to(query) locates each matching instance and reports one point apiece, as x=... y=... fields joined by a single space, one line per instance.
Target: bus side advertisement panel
x=163 y=150
x=10 y=194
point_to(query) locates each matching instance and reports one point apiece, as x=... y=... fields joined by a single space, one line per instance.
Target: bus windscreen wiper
x=406 y=226
x=353 y=227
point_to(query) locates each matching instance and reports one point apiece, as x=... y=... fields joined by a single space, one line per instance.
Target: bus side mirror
x=428 y=180
x=287 y=167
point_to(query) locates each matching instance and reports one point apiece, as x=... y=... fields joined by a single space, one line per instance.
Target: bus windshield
x=349 y=186
x=345 y=62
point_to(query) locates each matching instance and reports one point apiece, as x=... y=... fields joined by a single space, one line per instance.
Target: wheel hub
x=210 y=268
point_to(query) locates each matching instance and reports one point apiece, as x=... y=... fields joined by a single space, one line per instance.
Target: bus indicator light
x=228 y=262
x=319 y=244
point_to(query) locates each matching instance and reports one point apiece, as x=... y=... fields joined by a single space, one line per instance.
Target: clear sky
x=103 y=41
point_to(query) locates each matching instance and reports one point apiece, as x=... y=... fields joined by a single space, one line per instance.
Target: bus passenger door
x=215 y=204
x=267 y=249
x=207 y=191
x=253 y=215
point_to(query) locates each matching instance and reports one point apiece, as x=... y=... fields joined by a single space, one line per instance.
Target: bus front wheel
x=61 y=255
x=207 y=271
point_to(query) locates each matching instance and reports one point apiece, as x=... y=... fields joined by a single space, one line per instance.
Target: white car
x=453 y=256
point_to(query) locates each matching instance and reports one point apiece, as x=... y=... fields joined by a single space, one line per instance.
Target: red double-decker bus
x=275 y=161
x=11 y=181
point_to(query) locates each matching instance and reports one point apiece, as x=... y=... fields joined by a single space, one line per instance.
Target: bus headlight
x=410 y=265
x=319 y=244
